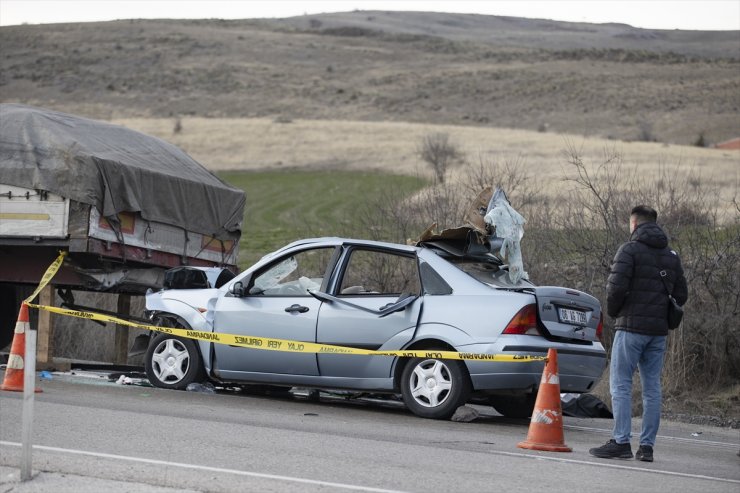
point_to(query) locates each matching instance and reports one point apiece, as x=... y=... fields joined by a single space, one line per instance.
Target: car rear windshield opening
x=489 y=273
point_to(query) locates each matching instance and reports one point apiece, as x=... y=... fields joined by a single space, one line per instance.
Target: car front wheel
x=172 y=362
x=434 y=388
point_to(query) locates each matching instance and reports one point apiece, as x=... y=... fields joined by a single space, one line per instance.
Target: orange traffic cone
x=546 y=427
x=14 y=372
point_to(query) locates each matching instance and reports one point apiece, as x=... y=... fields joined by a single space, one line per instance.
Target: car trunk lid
x=568 y=313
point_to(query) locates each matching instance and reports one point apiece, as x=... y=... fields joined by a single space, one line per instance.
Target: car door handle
x=296 y=308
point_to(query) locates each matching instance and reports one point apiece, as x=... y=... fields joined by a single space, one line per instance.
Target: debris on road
x=465 y=414
x=203 y=388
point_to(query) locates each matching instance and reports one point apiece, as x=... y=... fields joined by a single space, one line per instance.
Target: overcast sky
x=654 y=14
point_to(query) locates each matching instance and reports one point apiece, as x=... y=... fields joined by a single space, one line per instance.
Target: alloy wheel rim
x=430 y=383
x=170 y=361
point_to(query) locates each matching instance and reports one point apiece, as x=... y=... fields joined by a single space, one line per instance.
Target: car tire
x=172 y=362
x=514 y=406
x=434 y=388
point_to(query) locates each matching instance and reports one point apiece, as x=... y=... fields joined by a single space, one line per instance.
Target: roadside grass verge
x=284 y=206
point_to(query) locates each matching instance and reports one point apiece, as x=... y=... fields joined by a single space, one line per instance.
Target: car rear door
x=376 y=302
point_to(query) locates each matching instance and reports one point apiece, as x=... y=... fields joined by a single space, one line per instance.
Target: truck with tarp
x=125 y=205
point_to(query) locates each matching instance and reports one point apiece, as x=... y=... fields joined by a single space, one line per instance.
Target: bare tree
x=440 y=153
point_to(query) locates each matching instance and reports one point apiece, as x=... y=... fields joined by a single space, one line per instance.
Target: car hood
x=196 y=299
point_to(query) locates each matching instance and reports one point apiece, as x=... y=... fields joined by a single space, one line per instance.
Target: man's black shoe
x=613 y=450
x=644 y=453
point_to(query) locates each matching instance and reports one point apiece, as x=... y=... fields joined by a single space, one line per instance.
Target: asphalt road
x=136 y=436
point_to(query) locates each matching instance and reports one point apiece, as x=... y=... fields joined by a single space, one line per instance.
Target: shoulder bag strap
x=662 y=272
x=663 y=275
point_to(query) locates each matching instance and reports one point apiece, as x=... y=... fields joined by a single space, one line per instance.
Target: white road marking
x=615 y=466
x=692 y=441
x=206 y=468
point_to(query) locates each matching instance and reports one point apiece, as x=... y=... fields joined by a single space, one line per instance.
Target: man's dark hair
x=644 y=214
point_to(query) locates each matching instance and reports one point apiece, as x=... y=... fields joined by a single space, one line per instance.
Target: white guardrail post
x=29 y=389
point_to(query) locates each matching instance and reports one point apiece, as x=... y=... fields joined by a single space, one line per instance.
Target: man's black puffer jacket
x=635 y=294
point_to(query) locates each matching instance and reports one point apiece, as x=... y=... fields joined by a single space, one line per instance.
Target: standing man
x=638 y=299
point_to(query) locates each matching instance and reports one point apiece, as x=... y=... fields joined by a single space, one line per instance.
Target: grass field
x=222 y=144
x=283 y=206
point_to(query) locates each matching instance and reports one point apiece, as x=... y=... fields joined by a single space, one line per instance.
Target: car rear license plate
x=569 y=316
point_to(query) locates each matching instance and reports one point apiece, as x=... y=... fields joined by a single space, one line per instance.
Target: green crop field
x=283 y=206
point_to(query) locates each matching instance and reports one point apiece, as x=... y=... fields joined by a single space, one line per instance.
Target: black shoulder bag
x=675 y=311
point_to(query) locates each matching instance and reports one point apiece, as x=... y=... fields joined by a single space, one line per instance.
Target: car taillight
x=524 y=322
x=600 y=327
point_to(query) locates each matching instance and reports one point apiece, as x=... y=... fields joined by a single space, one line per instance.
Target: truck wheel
x=172 y=362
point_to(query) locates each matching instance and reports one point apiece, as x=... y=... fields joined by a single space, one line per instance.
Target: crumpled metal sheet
x=491 y=223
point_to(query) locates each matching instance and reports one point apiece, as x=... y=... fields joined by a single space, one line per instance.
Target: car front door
x=372 y=282
x=276 y=304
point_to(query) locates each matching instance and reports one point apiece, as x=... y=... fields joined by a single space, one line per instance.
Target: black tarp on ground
x=584 y=406
x=115 y=169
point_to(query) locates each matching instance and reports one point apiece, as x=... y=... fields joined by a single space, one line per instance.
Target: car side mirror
x=237 y=290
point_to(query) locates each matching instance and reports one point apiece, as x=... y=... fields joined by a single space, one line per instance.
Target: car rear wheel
x=434 y=388
x=172 y=362
x=514 y=406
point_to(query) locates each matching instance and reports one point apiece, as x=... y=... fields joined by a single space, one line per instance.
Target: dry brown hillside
x=606 y=80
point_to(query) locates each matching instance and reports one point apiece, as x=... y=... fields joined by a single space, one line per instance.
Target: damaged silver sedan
x=442 y=294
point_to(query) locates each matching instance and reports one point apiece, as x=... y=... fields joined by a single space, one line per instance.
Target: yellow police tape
x=264 y=343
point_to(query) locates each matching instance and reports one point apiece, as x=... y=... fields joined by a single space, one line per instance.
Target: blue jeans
x=631 y=351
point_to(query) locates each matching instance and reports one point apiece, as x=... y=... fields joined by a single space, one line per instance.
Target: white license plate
x=569 y=316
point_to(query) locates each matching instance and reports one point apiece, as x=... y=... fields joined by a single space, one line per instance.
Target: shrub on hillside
x=439 y=152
